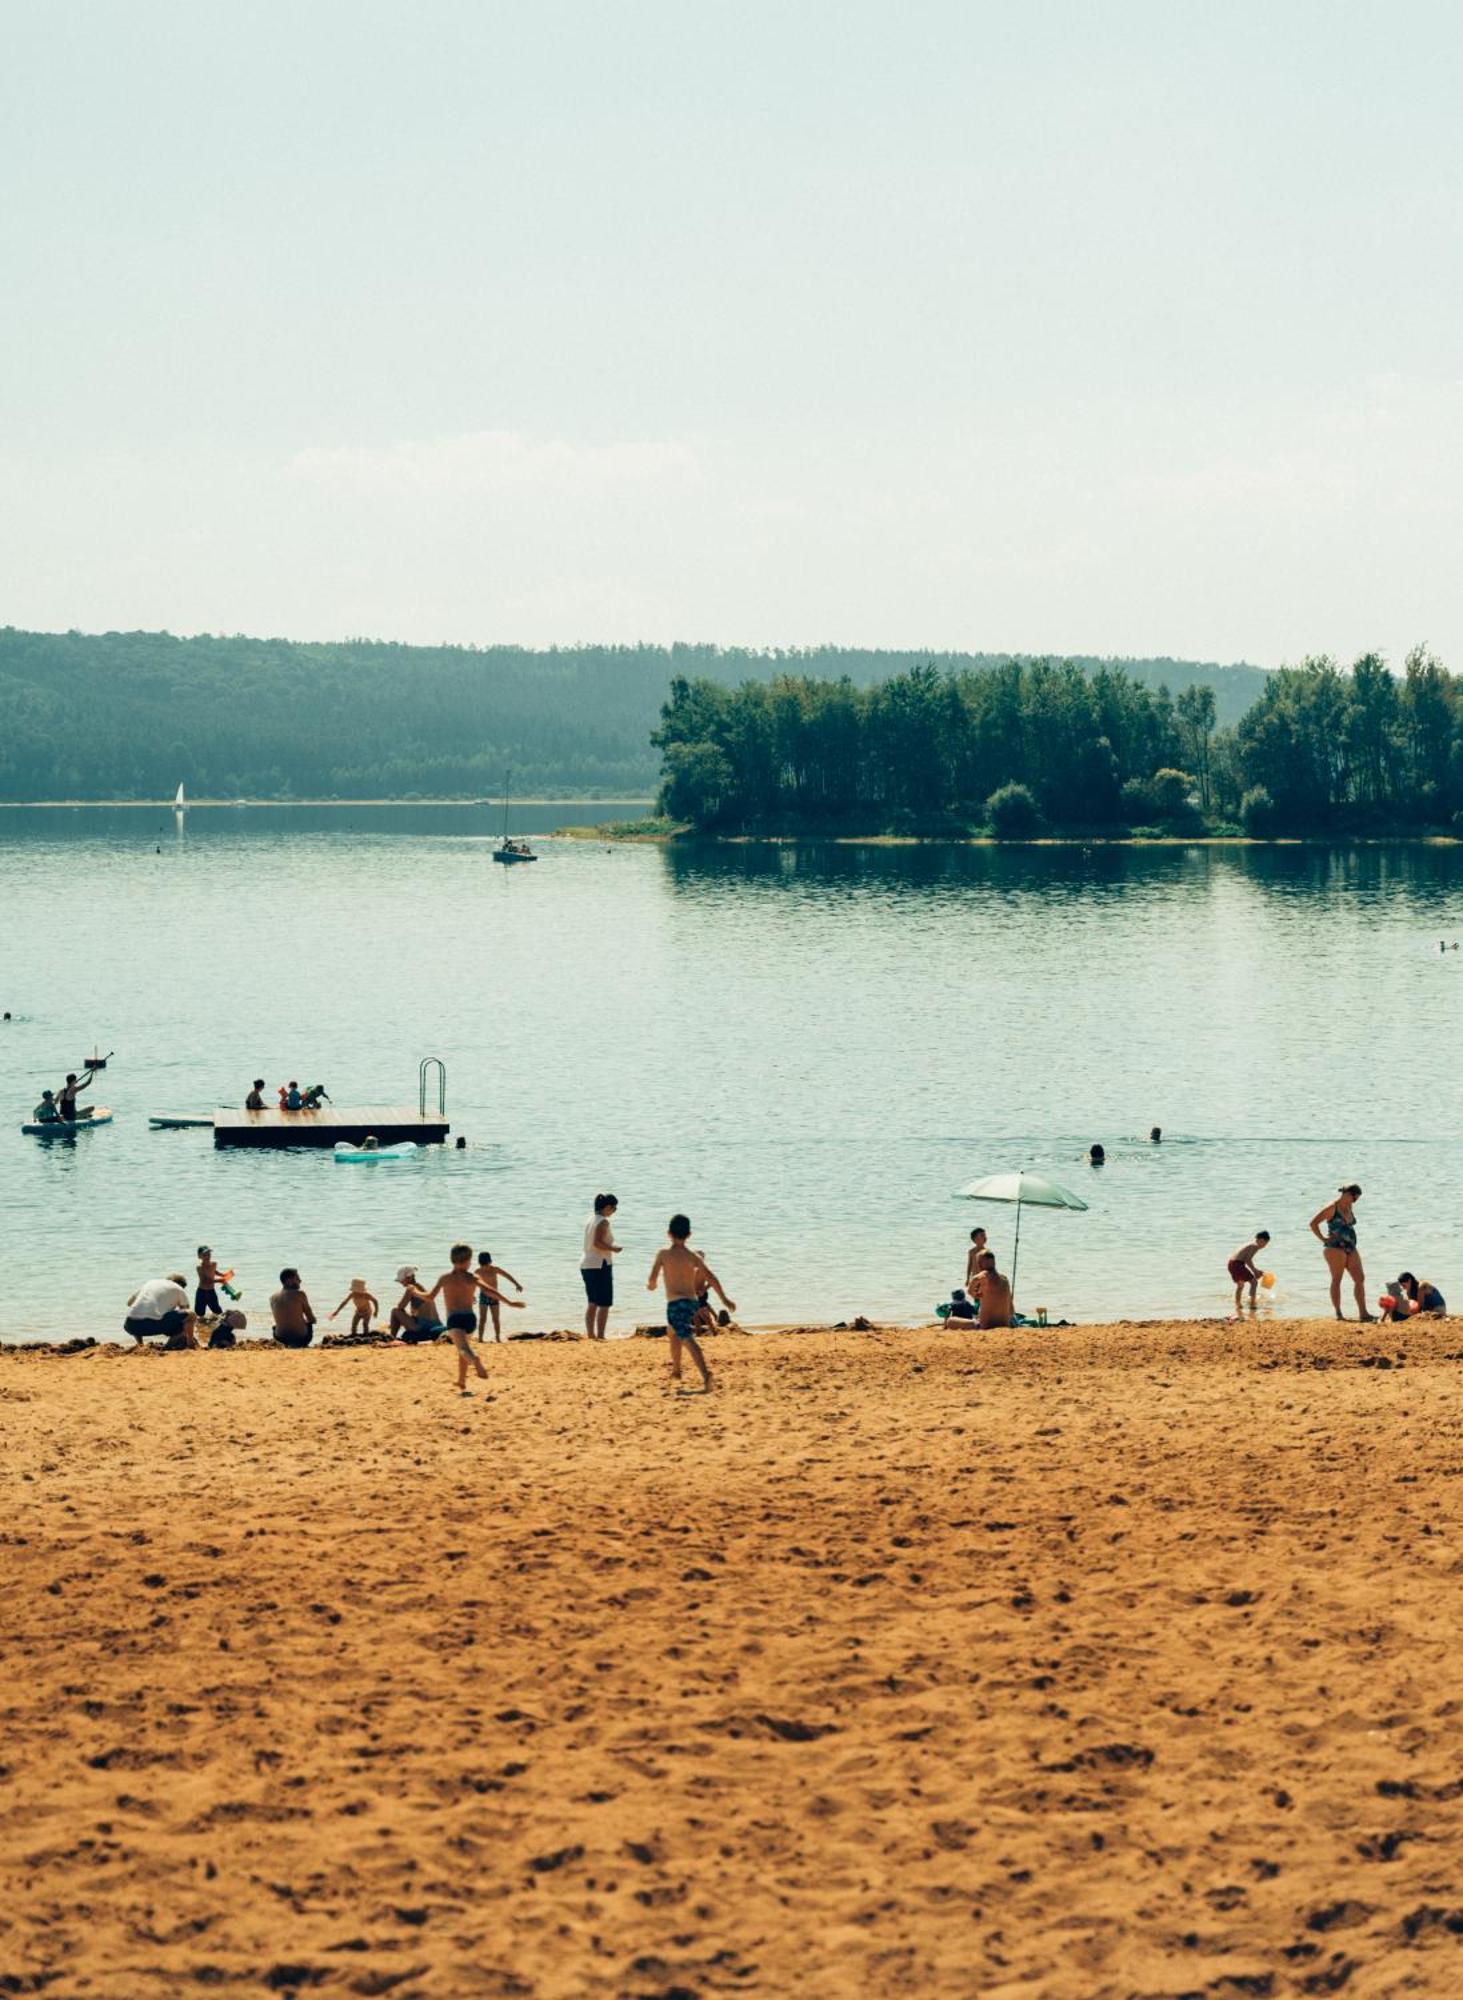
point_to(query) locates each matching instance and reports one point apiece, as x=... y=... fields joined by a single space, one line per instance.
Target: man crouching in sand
x=459 y=1289
x=686 y=1277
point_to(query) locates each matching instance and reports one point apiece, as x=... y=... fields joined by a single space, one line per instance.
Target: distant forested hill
x=131 y=714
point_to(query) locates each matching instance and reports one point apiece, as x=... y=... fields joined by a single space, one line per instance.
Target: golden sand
x=1120 y=1661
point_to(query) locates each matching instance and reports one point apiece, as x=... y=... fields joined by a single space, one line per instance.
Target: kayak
x=178 y=1121
x=347 y=1155
x=67 y=1128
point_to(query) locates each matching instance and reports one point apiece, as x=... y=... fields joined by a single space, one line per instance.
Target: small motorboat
x=67 y=1128
x=180 y=1121
x=347 y=1155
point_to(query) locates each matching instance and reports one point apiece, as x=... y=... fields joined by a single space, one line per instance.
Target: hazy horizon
x=1045 y=330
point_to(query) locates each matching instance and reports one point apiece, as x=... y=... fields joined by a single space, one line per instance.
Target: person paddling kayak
x=69 y=1092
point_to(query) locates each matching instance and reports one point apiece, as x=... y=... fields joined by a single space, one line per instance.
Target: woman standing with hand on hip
x=595 y=1267
x=1339 y=1245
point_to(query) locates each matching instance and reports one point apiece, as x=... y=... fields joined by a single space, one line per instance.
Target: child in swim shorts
x=459 y=1289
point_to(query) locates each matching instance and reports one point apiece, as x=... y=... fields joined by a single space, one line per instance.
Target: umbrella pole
x=1015 y=1258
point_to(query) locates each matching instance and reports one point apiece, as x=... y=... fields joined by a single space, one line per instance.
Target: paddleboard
x=67 y=1128
x=178 y=1121
x=346 y=1155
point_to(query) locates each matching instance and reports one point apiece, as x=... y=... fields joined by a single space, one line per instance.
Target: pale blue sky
x=1116 y=327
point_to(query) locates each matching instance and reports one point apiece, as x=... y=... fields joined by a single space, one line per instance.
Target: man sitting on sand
x=459 y=1289
x=159 y=1310
x=294 y=1316
x=686 y=1276
x=994 y=1294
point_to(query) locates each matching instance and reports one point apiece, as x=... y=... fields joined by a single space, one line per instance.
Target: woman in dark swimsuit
x=1339 y=1246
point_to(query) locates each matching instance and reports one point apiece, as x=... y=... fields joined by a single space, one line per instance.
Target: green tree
x=1426 y=722
x=1257 y=813
x=1371 y=733
x=698 y=784
x=1194 y=713
x=1172 y=795
x=1013 y=813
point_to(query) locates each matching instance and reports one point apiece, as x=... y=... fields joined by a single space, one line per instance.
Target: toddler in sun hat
x=365 y=1306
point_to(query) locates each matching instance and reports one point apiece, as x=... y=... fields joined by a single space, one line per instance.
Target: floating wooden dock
x=390 y=1123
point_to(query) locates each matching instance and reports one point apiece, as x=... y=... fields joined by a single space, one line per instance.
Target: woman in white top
x=596 y=1268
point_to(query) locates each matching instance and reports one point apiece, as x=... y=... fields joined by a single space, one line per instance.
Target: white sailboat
x=180 y=804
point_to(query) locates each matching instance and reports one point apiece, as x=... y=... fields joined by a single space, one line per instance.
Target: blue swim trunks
x=681 y=1314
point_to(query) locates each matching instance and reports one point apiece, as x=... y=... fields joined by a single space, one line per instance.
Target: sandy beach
x=1120 y=1661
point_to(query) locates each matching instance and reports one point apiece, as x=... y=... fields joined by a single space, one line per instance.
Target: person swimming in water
x=1339 y=1247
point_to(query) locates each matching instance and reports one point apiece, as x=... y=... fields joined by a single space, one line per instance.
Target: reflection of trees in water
x=1424 y=876
x=1059 y=874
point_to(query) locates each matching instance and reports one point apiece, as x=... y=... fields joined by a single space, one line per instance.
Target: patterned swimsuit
x=1340 y=1234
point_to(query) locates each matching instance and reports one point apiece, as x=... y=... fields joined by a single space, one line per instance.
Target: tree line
x=131 y=714
x=1029 y=745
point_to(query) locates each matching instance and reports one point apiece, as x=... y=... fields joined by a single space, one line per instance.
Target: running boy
x=365 y=1306
x=685 y=1277
x=459 y=1288
x=491 y=1301
x=1243 y=1269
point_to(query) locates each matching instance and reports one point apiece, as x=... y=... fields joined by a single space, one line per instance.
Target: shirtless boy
x=685 y=1276
x=205 y=1299
x=973 y=1256
x=490 y=1302
x=459 y=1289
x=1243 y=1270
x=705 y=1320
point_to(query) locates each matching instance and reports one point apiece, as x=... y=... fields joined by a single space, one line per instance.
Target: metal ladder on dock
x=429 y=1063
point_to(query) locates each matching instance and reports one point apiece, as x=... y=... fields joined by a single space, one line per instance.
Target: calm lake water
x=811 y=1049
